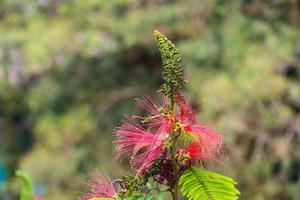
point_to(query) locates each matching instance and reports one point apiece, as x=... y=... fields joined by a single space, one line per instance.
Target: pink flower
x=153 y=152
x=157 y=115
x=99 y=187
x=143 y=146
x=145 y=160
x=131 y=138
x=149 y=105
x=194 y=151
x=209 y=143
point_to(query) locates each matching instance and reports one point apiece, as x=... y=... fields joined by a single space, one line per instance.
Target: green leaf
x=172 y=74
x=27 y=186
x=200 y=184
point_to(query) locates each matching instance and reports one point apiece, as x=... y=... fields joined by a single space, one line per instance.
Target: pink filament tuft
x=99 y=187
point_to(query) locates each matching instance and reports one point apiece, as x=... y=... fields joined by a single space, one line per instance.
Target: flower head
x=131 y=138
x=153 y=152
x=143 y=146
x=99 y=187
x=194 y=151
x=149 y=105
x=208 y=144
x=156 y=112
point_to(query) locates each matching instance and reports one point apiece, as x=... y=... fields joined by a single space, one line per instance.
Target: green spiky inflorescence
x=172 y=74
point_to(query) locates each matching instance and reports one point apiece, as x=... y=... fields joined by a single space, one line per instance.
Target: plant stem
x=172 y=153
x=175 y=191
x=174 y=165
x=172 y=103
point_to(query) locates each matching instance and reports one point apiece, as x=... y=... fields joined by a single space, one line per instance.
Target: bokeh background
x=70 y=69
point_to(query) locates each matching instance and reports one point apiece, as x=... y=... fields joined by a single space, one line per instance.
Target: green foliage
x=172 y=73
x=27 y=186
x=200 y=184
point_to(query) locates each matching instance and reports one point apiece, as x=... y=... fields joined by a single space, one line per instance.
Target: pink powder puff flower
x=99 y=187
x=145 y=160
x=143 y=146
x=194 y=151
x=209 y=143
x=153 y=152
x=131 y=138
x=149 y=105
x=156 y=117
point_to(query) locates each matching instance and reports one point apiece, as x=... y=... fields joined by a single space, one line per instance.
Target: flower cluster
x=147 y=144
x=144 y=144
x=99 y=187
x=165 y=142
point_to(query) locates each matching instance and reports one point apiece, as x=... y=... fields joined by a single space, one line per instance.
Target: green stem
x=172 y=103
x=175 y=191
x=174 y=165
x=173 y=159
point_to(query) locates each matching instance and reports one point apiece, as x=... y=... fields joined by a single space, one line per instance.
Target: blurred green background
x=70 y=69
